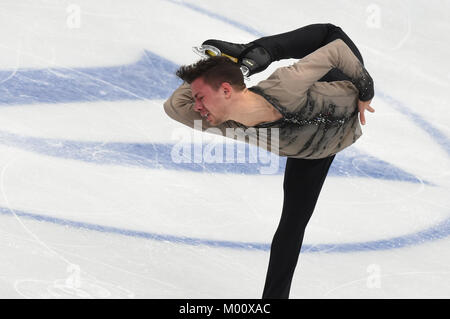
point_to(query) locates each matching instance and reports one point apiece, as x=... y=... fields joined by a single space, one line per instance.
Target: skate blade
x=206 y=51
x=209 y=51
x=245 y=71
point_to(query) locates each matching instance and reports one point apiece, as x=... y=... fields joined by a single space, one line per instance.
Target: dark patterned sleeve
x=364 y=83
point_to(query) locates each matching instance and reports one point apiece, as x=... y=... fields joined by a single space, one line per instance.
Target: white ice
x=70 y=228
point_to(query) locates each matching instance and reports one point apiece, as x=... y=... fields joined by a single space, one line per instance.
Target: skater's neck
x=251 y=109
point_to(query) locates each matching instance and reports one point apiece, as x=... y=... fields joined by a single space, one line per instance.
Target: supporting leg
x=303 y=180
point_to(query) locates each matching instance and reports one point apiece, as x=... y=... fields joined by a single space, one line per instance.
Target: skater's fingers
x=362 y=106
x=362 y=118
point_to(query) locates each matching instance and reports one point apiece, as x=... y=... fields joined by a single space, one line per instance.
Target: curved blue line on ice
x=440 y=138
x=348 y=163
x=151 y=77
x=218 y=17
x=441 y=230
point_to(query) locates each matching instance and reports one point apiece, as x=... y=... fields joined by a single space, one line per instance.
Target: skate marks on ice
x=73 y=286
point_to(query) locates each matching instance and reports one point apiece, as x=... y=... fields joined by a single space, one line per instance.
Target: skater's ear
x=226 y=89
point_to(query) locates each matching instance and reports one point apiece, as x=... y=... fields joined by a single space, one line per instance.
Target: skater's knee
x=331 y=26
x=334 y=29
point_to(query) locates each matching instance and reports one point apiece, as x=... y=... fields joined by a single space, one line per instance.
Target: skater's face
x=210 y=103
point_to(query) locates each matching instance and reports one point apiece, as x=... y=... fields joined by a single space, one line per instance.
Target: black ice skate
x=252 y=57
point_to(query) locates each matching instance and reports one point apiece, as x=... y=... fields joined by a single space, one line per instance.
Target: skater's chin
x=212 y=120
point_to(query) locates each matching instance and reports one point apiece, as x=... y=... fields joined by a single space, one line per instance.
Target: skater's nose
x=198 y=106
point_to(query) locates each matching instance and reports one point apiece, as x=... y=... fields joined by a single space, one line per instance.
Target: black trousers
x=303 y=178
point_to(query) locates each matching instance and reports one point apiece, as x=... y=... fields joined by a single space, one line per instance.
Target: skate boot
x=252 y=57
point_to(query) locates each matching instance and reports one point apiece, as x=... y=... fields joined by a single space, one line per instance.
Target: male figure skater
x=314 y=103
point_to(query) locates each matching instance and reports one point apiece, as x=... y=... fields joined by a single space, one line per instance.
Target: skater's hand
x=362 y=106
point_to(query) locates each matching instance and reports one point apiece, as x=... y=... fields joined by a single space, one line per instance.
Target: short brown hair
x=214 y=71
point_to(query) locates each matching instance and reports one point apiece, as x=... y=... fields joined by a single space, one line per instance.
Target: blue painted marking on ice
x=151 y=77
x=439 y=231
x=348 y=163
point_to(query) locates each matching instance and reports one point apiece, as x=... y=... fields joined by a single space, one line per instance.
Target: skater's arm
x=180 y=107
x=300 y=76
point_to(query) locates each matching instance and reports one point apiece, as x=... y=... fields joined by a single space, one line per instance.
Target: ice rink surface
x=92 y=204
